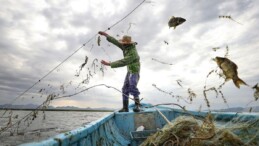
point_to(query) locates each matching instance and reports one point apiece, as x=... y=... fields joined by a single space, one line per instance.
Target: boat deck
x=119 y=129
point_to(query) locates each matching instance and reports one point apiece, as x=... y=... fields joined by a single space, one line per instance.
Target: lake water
x=55 y=122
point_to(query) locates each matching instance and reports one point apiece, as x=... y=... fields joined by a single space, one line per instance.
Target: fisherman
x=131 y=60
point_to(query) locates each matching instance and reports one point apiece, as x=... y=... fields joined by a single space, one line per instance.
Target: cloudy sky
x=38 y=35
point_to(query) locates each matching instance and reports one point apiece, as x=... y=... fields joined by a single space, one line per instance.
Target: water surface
x=55 y=122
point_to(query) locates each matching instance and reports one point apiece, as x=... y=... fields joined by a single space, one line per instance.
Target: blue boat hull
x=119 y=129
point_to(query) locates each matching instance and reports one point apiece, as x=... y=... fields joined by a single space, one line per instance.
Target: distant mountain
x=67 y=107
x=104 y=108
x=254 y=109
x=240 y=109
x=77 y=108
x=10 y=106
x=233 y=109
x=34 y=106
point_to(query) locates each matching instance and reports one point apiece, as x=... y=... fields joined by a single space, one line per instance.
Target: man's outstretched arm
x=123 y=62
x=111 y=39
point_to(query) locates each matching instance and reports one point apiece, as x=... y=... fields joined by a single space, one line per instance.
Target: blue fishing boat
x=120 y=129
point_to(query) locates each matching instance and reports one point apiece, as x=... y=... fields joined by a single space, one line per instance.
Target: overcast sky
x=37 y=35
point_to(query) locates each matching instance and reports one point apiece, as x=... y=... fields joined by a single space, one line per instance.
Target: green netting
x=189 y=131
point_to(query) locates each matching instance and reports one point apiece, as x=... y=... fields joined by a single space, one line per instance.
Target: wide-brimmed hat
x=126 y=40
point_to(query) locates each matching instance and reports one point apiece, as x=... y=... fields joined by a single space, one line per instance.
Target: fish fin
x=255 y=86
x=239 y=82
x=227 y=79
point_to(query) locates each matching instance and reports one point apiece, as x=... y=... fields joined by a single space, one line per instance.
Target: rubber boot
x=125 y=106
x=137 y=106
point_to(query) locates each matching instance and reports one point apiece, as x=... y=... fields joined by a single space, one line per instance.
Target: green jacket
x=131 y=57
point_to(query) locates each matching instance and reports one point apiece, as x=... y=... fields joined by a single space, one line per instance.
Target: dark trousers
x=130 y=86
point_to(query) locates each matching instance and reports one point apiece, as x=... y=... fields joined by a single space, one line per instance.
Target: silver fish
x=175 y=21
x=229 y=69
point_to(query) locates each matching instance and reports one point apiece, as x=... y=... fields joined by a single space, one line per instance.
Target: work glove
x=105 y=63
x=103 y=33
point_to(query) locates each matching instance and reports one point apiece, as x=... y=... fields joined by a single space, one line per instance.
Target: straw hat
x=126 y=40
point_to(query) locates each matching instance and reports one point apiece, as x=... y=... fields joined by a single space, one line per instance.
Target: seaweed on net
x=178 y=97
x=205 y=94
x=179 y=82
x=227 y=52
x=217 y=90
x=25 y=121
x=215 y=48
x=229 y=17
x=102 y=68
x=94 y=65
x=190 y=131
x=191 y=94
x=162 y=62
x=20 y=124
x=81 y=66
x=62 y=88
x=166 y=42
x=99 y=40
x=130 y=24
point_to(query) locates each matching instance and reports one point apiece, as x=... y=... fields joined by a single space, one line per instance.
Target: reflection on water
x=56 y=122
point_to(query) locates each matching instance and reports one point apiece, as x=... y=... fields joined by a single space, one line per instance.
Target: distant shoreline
x=72 y=110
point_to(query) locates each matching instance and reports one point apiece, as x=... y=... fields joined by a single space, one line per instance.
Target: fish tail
x=239 y=82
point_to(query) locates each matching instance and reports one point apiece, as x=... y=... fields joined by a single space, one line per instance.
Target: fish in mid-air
x=256 y=94
x=175 y=21
x=229 y=69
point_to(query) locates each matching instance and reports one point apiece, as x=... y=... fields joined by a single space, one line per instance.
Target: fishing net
x=191 y=131
x=67 y=79
x=182 y=131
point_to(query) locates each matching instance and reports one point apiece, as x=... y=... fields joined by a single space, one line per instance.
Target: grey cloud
x=147 y=32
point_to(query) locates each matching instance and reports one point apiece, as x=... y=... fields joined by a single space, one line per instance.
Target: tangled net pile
x=189 y=131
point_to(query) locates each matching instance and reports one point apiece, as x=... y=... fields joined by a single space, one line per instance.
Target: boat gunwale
x=74 y=135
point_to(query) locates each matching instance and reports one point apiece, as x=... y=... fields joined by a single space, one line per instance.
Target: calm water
x=55 y=122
